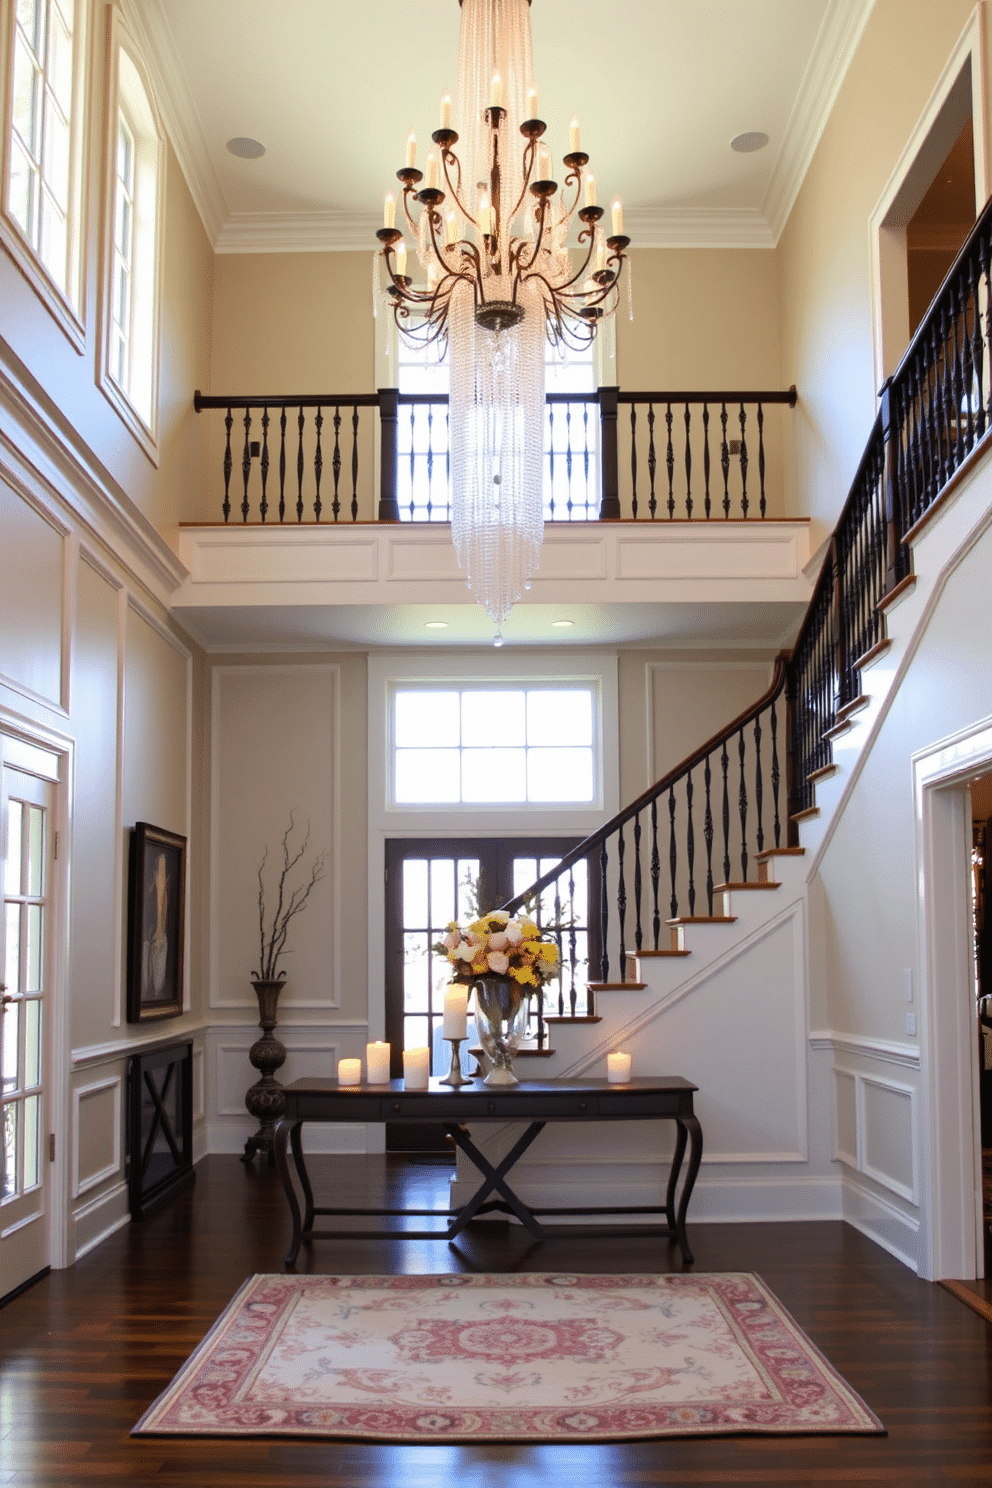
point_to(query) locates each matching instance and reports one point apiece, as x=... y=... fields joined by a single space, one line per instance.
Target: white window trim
x=65 y=306
x=144 y=431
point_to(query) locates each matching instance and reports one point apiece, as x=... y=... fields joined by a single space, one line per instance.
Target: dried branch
x=273 y=943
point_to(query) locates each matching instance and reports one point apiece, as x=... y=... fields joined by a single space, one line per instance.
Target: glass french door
x=430 y=881
x=26 y=803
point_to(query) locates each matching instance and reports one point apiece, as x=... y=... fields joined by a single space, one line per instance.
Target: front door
x=430 y=881
x=26 y=804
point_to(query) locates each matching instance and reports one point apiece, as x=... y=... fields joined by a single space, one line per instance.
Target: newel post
x=389 y=412
x=609 y=506
x=890 y=479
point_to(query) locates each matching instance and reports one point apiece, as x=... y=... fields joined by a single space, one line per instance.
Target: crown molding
x=698 y=227
x=297 y=232
x=150 y=27
x=832 y=54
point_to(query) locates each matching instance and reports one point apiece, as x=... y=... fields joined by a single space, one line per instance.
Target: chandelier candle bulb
x=349 y=1072
x=432 y=171
x=400 y=251
x=455 y=1025
x=590 y=190
x=416 y=1066
x=411 y=149
x=377 y=1057
x=573 y=136
x=445 y=110
x=618 y=218
x=452 y=225
x=532 y=103
x=618 y=1068
x=485 y=214
x=389 y=210
x=496 y=91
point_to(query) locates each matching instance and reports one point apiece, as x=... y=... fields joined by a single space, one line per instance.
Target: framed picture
x=156 y=921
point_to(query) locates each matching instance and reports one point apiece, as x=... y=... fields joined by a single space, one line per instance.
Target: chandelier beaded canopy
x=490 y=226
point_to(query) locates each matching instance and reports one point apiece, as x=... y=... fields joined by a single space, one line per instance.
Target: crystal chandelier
x=490 y=227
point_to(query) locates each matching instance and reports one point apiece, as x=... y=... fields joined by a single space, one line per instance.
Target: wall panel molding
x=82 y=1183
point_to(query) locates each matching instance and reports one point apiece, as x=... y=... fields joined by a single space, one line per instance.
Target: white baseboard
x=893 y=1229
x=97 y=1220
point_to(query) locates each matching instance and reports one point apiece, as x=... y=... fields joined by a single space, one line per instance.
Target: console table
x=666 y=1098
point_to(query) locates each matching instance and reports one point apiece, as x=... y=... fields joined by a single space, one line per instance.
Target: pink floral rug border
x=532 y=1357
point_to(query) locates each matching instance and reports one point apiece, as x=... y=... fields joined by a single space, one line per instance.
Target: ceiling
x=331 y=88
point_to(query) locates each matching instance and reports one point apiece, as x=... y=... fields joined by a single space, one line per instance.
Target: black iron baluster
x=762 y=505
x=568 y=459
x=551 y=461
x=948 y=390
x=775 y=777
x=572 y=949
x=985 y=251
x=690 y=843
x=622 y=903
x=264 y=461
x=282 y=464
x=655 y=874
x=430 y=460
x=742 y=803
x=725 y=459
x=672 y=851
x=604 y=915
x=652 y=463
x=708 y=836
x=758 y=786
x=299 y=469
x=670 y=461
x=447 y=463
x=975 y=382
x=742 y=419
x=354 y=463
x=688 y=465
x=586 y=456
x=413 y=466
x=318 y=462
x=957 y=366
x=633 y=460
x=228 y=464
x=638 y=935
x=246 y=464
x=725 y=765
x=706 y=458
x=336 y=464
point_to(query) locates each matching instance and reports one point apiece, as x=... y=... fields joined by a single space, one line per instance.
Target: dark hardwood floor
x=84 y=1351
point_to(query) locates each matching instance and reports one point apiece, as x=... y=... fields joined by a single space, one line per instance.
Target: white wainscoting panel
x=95 y=1221
x=96 y=1134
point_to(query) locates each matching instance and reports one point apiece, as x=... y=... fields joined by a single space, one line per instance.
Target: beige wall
x=823 y=255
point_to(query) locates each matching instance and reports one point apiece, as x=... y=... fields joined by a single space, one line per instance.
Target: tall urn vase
x=501 y=1010
x=265 y=1099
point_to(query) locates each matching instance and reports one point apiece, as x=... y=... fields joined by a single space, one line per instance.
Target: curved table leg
x=688 y=1125
x=283 y=1133
x=681 y=1136
x=296 y=1139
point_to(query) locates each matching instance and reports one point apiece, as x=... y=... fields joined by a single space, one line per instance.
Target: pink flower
x=498 y=962
x=452 y=940
x=499 y=941
x=513 y=933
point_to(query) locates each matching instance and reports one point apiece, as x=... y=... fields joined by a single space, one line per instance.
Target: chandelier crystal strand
x=496 y=210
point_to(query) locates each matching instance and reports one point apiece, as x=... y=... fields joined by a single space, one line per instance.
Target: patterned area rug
x=531 y=1357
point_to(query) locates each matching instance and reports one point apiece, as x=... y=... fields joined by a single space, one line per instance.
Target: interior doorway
x=981 y=868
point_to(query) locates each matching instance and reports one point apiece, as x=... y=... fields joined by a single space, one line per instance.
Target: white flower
x=498 y=962
x=464 y=952
x=499 y=917
x=498 y=942
x=513 y=932
x=452 y=940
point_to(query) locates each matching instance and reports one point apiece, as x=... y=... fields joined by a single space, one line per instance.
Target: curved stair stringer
x=684 y=1016
x=939 y=544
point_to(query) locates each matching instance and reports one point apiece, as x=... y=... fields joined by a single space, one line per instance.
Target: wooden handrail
x=789 y=396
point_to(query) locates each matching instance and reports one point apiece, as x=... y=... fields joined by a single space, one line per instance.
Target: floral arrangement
x=495 y=945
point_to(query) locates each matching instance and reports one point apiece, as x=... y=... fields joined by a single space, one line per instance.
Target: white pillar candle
x=590 y=190
x=573 y=136
x=532 y=103
x=411 y=148
x=445 y=110
x=618 y=218
x=618 y=1068
x=349 y=1072
x=377 y=1062
x=389 y=210
x=455 y=1025
x=416 y=1068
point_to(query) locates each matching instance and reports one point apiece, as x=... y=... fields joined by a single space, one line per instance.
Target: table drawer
x=632 y=1105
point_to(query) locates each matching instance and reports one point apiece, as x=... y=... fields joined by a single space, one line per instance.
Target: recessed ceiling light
x=747 y=143
x=435 y=625
x=245 y=148
x=562 y=624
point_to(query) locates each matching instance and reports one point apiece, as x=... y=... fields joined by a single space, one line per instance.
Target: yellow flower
x=524 y=975
x=530 y=930
x=548 y=952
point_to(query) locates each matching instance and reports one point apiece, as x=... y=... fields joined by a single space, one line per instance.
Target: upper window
x=481 y=745
x=43 y=159
x=135 y=148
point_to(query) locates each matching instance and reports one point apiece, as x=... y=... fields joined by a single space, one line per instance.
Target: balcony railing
x=608 y=455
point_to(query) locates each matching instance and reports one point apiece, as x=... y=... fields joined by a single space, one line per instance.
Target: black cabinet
x=159 y=1126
